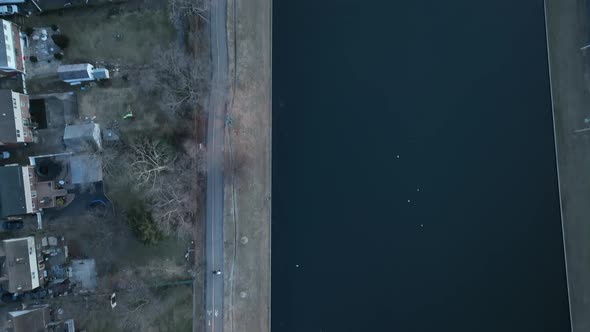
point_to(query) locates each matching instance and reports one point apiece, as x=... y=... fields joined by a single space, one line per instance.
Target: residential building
x=15 y=119
x=12 y=44
x=21 y=265
x=29 y=189
x=17 y=191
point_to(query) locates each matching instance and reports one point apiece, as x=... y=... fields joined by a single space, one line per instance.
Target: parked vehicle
x=8 y=10
x=37 y=294
x=9 y=298
x=113 y=300
x=4 y=154
x=11 y=225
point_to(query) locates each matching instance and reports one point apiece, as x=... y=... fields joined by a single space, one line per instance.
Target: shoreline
x=557 y=163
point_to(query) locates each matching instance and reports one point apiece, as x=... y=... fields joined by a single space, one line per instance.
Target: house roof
x=17 y=265
x=85 y=168
x=100 y=73
x=35 y=319
x=12 y=194
x=79 y=130
x=73 y=72
x=3 y=58
x=84 y=273
x=7 y=125
x=81 y=137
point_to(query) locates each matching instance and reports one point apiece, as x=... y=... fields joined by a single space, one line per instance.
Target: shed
x=101 y=74
x=74 y=74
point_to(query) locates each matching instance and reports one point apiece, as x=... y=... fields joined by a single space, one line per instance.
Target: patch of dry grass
x=124 y=38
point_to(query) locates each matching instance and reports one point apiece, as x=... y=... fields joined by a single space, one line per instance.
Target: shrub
x=61 y=40
x=142 y=225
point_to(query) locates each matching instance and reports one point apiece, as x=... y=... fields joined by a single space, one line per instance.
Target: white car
x=8 y=10
x=113 y=300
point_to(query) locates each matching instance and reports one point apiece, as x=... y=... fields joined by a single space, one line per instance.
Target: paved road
x=215 y=139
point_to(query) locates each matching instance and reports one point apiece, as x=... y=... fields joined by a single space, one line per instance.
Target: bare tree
x=177 y=78
x=109 y=160
x=174 y=199
x=180 y=9
x=149 y=158
x=196 y=152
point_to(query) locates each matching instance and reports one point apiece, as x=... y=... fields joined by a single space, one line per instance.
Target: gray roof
x=32 y=319
x=81 y=137
x=84 y=273
x=7 y=126
x=79 y=130
x=12 y=194
x=73 y=72
x=85 y=168
x=3 y=58
x=17 y=266
x=100 y=73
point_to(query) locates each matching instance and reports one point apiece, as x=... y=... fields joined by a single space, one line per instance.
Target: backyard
x=137 y=254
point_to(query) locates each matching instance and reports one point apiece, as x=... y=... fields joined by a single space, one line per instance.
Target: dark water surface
x=460 y=91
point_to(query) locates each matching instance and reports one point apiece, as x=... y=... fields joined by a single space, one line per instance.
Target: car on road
x=11 y=225
x=8 y=10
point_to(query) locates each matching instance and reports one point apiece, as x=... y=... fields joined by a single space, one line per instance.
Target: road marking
x=216 y=313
